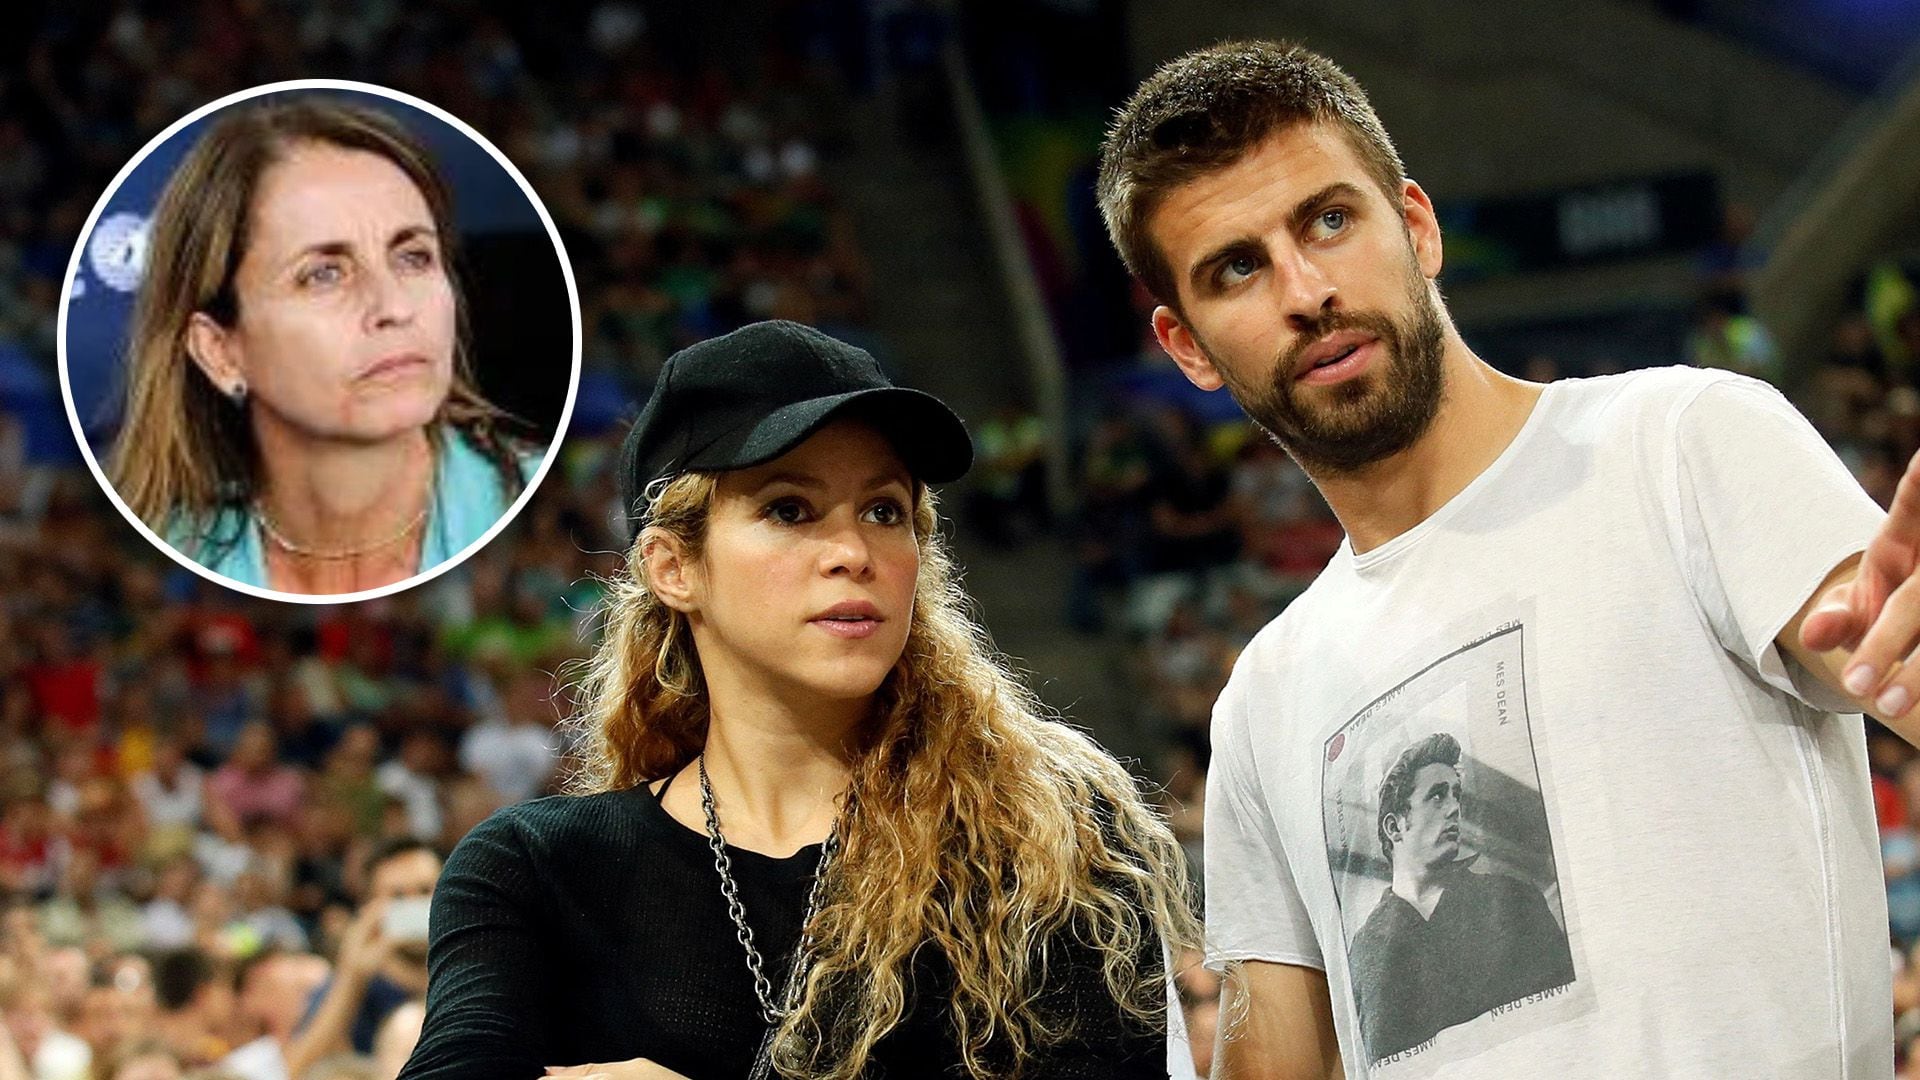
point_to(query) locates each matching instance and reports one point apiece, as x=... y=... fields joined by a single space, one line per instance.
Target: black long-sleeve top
x=571 y=930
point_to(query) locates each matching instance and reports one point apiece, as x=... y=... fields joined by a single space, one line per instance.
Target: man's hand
x=365 y=948
x=1874 y=614
x=637 y=1069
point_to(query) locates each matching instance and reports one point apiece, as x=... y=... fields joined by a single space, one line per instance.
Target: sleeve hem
x=1218 y=960
x=1776 y=623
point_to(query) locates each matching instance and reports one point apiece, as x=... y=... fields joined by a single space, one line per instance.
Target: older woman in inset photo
x=300 y=413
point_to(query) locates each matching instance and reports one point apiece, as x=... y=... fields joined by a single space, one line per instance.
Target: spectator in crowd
x=197 y=1007
x=515 y=748
x=166 y=922
x=86 y=910
x=414 y=779
x=1192 y=515
x=272 y=986
x=170 y=794
x=381 y=966
x=143 y=1058
x=399 y=1034
x=254 y=785
x=51 y=1051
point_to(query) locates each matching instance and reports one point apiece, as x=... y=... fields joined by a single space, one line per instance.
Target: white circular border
x=566 y=270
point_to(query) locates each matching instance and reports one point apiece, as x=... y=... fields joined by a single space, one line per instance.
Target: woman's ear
x=212 y=348
x=670 y=574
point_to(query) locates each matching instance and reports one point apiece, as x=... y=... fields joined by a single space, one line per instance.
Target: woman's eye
x=887 y=513
x=417 y=258
x=787 y=511
x=326 y=273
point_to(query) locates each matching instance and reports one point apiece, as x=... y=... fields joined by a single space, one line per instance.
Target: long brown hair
x=184 y=448
x=980 y=826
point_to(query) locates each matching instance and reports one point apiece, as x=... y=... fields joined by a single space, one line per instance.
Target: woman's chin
x=395 y=416
x=849 y=683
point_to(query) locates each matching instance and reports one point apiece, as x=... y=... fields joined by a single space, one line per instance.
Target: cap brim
x=929 y=437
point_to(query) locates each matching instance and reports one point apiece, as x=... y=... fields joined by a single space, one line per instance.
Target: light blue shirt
x=467 y=499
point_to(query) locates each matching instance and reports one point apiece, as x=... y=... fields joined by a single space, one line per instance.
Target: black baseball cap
x=745 y=398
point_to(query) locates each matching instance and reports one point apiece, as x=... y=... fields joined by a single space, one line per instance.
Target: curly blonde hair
x=981 y=826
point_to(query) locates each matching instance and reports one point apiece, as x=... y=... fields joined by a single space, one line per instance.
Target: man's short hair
x=179 y=974
x=395 y=846
x=1203 y=112
x=1396 y=788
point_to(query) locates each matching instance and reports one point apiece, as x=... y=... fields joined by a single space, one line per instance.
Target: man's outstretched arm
x=1858 y=631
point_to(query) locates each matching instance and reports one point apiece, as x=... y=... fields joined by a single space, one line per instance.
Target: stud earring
x=238 y=392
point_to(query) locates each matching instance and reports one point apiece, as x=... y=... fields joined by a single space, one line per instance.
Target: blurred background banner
x=187 y=775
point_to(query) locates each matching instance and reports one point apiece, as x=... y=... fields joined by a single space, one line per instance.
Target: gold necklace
x=281 y=541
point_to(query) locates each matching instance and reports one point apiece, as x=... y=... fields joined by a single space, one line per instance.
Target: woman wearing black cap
x=821 y=832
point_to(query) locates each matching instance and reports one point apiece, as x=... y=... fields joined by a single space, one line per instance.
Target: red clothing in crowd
x=1889 y=806
x=66 y=694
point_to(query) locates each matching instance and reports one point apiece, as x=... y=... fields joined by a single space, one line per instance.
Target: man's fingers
x=1895 y=701
x=1890 y=638
x=1903 y=517
x=1843 y=615
x=1835 y=623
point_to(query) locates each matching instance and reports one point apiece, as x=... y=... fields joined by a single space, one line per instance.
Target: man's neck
x=1420 y=887
x=1479 y=417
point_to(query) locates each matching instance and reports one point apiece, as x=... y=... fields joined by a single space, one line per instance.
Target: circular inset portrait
x=318 y=340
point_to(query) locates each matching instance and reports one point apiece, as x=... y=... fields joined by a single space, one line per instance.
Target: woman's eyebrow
x=412 y=232
x=345 y=247
x=796 y=479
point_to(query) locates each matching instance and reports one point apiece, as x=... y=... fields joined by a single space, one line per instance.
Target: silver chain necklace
x=771 y=1012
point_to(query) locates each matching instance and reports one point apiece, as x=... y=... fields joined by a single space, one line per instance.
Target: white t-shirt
x=1631 y=841
x=515 y=759
x=421 y=794
x=171 y=806
x=262 y=1059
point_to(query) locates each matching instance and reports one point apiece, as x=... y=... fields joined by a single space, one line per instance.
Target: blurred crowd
x=214 y=810
x=685 y=181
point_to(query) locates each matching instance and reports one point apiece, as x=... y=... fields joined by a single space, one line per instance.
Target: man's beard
x=1369 y=417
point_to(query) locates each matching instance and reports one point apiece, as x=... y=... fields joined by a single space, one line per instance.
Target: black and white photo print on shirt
x=1442 y=856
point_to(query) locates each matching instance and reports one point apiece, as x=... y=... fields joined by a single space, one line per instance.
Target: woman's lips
x=397 y=365
x=850 y=619
x=850 y=629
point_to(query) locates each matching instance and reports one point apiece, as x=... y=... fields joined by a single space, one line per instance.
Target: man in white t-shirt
x=1635 y=607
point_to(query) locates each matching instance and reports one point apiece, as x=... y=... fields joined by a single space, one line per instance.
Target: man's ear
x=1423 y=226
x=1180 y=344
x=215 y=354
x=1394 y=829
x=670 y=575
